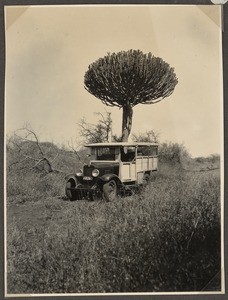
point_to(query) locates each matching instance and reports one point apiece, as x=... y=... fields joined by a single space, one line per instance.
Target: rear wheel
x=144 y=183
x=146 y=179
x=110 y=190
x=71 y=194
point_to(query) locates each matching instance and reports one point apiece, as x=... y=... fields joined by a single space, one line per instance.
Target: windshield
x=104 y=153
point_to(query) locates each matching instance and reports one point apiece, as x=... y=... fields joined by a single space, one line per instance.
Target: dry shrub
x=165 y=239
x=173 y=153
x=29 y=187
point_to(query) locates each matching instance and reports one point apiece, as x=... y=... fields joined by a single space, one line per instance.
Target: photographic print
x=113 y=150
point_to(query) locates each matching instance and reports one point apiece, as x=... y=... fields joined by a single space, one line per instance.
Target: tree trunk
x=126 y=122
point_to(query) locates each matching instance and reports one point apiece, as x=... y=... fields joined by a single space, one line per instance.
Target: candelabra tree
x=128 y=78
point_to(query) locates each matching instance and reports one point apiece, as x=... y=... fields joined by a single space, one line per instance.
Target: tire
x=72 y=195
x=94 y=197
x=146 y=179
x=110 y=191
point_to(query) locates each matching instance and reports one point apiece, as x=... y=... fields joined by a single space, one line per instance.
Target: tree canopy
x=128 y=78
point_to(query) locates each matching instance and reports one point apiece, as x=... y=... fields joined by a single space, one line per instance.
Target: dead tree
x=29 y=152
x=96 y=133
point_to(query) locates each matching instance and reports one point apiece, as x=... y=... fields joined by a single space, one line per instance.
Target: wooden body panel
x=134 y=171
x=127 y=171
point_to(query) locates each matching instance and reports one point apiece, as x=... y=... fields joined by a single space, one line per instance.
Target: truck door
x=128 y=165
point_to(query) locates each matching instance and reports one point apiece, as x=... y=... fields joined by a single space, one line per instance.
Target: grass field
x=165 y=239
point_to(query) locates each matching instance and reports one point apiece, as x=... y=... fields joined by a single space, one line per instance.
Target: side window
x=139 y=151
x=153 y=150
x=127 y=154
x=147 y=151
x=143 y=151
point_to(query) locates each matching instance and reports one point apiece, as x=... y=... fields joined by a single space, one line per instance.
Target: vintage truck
x=114 y=169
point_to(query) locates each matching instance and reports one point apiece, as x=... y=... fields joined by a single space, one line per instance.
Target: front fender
x=72 y=176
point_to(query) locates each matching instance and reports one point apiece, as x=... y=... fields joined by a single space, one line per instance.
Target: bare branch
x=36 y=164
x=150 y=136
x=31 y=132
x=55 y=157
x=95 y=133
x=74 y=150
x=31 y=138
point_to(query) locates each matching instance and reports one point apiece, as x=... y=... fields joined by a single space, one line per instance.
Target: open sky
x=49 y=48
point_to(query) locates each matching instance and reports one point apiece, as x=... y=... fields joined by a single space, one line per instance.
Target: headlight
x=95 y=173
x=79 y=173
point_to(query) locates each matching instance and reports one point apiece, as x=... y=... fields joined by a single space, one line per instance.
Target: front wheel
x=110 y=190
x=71 y=194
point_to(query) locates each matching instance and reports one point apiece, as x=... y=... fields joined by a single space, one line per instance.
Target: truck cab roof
x=121 y=144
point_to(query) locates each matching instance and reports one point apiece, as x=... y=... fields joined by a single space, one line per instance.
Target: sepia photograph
x=114 y=150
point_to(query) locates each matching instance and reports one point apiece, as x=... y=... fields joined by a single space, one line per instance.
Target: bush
x=165 y=239
x=30 y=187
x=212 y=161
x=28 y=181
x=173 y=154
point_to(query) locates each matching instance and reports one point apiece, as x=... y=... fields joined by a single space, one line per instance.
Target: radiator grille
x=88 y=170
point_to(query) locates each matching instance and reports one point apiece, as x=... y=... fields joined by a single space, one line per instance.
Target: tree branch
x=27 y=157
x=75 y=152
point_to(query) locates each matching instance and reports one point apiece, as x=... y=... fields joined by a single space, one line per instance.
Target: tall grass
x=29 y=187
x=165 y=239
